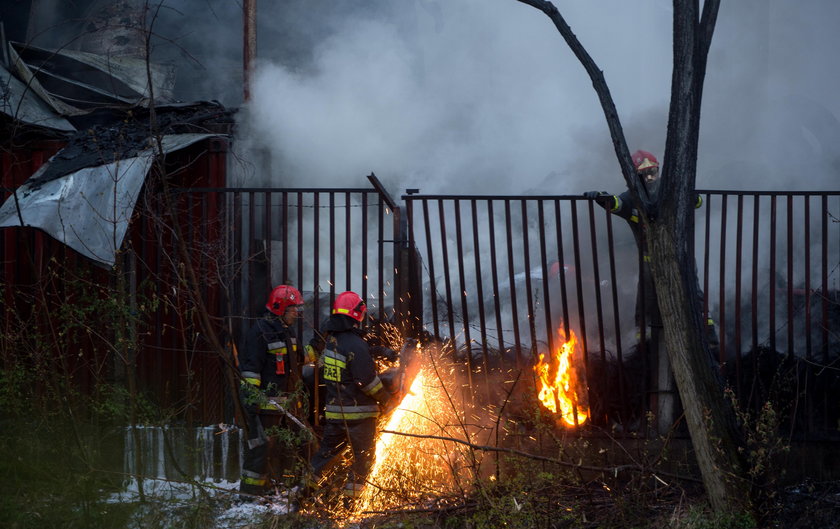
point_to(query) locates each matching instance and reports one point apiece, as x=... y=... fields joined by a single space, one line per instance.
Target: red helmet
x=282 y=297
x=350 y=304
x=644 y=160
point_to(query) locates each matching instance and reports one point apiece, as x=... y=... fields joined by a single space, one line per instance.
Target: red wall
x=172 y=366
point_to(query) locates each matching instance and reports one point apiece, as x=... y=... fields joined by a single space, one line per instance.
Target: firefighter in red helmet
x=647 y=170
x=354 y=393
x=269 y=363
x=647 y=305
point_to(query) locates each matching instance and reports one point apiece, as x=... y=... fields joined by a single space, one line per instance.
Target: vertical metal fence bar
x=235 y=246
x=284 y=237
x=480 y=295
x=348 y=282
x=811 y=415
x=512 y=283
x=413 y=271
x=266 y=237
x=722 y=282
x=365 y=246
x=579 y=284
x=706 y=247
x=622 y=390
x=381 y=258
x=790 y=322
x=250 y=254
x=396 y=257
x=526 y=251
x=754 y=300
x=332 y=250
x=772 y=305
x=807 y=235
x=824 y=279
x=495 y=275
x=549 y=325
x=446 y=280
x=468 y=346
x=581 y=310
x=561 y=264
x=430 y=263
x=599 y=312
x=316 y=257
x=299 y=282
x=739 y=259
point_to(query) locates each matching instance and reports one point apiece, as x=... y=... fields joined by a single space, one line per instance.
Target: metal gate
x=321 y=240
x=508 y=277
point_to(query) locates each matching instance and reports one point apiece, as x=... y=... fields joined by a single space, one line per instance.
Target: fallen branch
x=608 y=470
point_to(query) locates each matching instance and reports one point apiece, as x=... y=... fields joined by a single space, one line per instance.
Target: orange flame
x=409 y=468
x=558 y=393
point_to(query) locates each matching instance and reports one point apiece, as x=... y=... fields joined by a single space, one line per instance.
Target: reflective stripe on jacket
x=270 y=355
x=353 y=389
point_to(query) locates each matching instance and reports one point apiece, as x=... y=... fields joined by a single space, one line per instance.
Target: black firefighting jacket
x=270 y=357
x=354 y=390
x=646 y=301
x=622 y=205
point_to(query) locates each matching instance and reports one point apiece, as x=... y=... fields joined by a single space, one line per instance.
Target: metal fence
x=500 y=278
x=322 y=241
x=508 y=277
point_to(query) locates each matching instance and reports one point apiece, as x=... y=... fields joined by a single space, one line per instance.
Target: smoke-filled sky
x=484 y=96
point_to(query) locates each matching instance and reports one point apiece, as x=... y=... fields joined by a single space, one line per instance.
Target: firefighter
x=269 y=362
x=353 y=394
x=647 y=306
x=647 y=169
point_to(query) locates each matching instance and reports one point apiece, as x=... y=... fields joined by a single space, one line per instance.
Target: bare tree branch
x=577 y=466
x=635 y=185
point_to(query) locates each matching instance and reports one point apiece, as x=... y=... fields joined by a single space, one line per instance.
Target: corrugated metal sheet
x=20 y=103
x=88 y=209
x=76 y=82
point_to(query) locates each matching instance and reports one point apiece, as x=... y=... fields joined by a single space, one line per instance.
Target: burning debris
x=559 y=382
x=410 y=469
x=420 y=453
x=425 y=451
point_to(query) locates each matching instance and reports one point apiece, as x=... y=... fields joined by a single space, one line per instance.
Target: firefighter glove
x=380 y=351
x=317 y=343
x=595 y=194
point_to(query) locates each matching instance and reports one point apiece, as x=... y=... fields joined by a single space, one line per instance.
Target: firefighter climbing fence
x=506 y=278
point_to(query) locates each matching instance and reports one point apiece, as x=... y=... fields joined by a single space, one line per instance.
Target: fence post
x=407 y=292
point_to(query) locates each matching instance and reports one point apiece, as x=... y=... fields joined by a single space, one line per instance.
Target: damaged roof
x=76 y=82
x=117 y=139
x=85 y=195
x=19 y=103
x=88 y=209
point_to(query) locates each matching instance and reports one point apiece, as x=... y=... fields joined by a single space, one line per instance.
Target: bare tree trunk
x=709 y=418
x=667 y=220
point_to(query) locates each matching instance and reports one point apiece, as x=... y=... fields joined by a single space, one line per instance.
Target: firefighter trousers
x=263 y=460
x=361 y=436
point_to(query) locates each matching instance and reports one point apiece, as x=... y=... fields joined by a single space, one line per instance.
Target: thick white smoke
x=460 y=97
x=484 y=96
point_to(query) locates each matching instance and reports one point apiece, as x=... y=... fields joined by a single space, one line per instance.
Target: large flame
x=408 y=468
x=558 y=386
